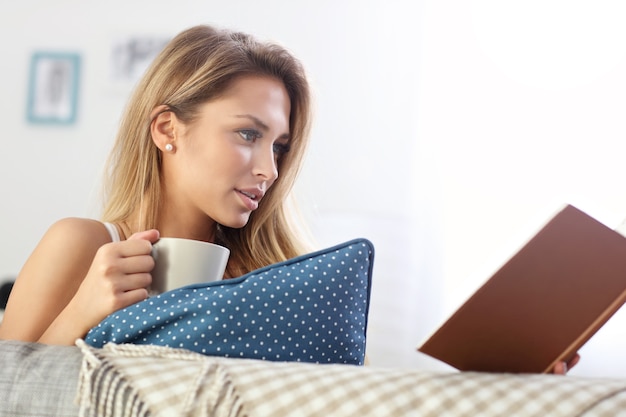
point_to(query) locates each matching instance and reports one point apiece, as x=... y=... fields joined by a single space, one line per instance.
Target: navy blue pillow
x=312 y=308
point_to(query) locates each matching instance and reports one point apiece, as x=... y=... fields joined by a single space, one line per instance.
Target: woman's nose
x=265 y=164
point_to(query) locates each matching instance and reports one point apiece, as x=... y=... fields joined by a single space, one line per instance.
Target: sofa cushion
x=38 y=380
x=312 y=308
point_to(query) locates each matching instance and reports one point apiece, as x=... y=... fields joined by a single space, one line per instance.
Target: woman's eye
x=281 y=148
x=249 y=135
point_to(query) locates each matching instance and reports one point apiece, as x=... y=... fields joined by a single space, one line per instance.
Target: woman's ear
x=162 y=128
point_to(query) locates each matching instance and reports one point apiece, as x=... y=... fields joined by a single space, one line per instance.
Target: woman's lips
x=250 y=199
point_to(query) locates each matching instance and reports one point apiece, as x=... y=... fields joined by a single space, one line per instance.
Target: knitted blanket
x=134 y=380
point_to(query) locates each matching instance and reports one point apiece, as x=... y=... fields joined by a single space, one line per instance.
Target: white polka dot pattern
x=312 y=308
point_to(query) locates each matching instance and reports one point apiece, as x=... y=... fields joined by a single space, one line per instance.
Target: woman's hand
x=118 y=277
x=561 y=368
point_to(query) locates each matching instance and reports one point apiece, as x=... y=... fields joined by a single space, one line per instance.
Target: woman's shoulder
x=76 y=230
x=66 y=250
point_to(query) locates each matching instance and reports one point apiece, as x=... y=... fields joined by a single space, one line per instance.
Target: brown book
x=543 y=304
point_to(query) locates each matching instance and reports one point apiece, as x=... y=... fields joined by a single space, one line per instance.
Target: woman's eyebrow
x=254 y=119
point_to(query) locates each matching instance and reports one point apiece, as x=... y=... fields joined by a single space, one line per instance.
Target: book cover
x=543 y=304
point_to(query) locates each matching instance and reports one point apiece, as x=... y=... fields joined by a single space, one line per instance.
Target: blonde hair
x=195 y=67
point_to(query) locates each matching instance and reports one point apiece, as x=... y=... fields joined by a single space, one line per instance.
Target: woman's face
x=226 y=160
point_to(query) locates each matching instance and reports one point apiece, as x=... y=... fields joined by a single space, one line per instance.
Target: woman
x=214 y=121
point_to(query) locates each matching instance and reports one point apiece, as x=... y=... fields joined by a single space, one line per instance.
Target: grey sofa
x=38 y=380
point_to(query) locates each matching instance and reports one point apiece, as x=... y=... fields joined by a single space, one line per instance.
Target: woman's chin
x=236 y=223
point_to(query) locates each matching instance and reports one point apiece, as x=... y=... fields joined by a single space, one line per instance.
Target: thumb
x=151 y=235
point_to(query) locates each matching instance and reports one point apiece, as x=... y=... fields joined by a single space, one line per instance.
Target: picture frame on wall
x=131 y=56
x=53 y=88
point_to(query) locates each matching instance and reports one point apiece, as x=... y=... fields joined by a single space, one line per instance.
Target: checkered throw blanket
x=132 y=380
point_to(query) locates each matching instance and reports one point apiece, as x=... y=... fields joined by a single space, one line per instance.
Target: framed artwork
x=132 y=55
x=53 y=88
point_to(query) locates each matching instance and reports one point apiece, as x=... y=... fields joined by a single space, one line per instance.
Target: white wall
x=444 y=131
x=363 y=60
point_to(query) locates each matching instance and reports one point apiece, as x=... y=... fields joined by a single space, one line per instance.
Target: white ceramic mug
x=181 y=262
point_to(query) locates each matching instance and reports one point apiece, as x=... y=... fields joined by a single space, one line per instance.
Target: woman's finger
x=136 y=264
x=135 y=281
x=151 y=235
x=560 y=368
x=131 y=297
x=572 y=362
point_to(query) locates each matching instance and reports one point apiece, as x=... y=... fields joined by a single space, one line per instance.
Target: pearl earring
x=169 y=147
